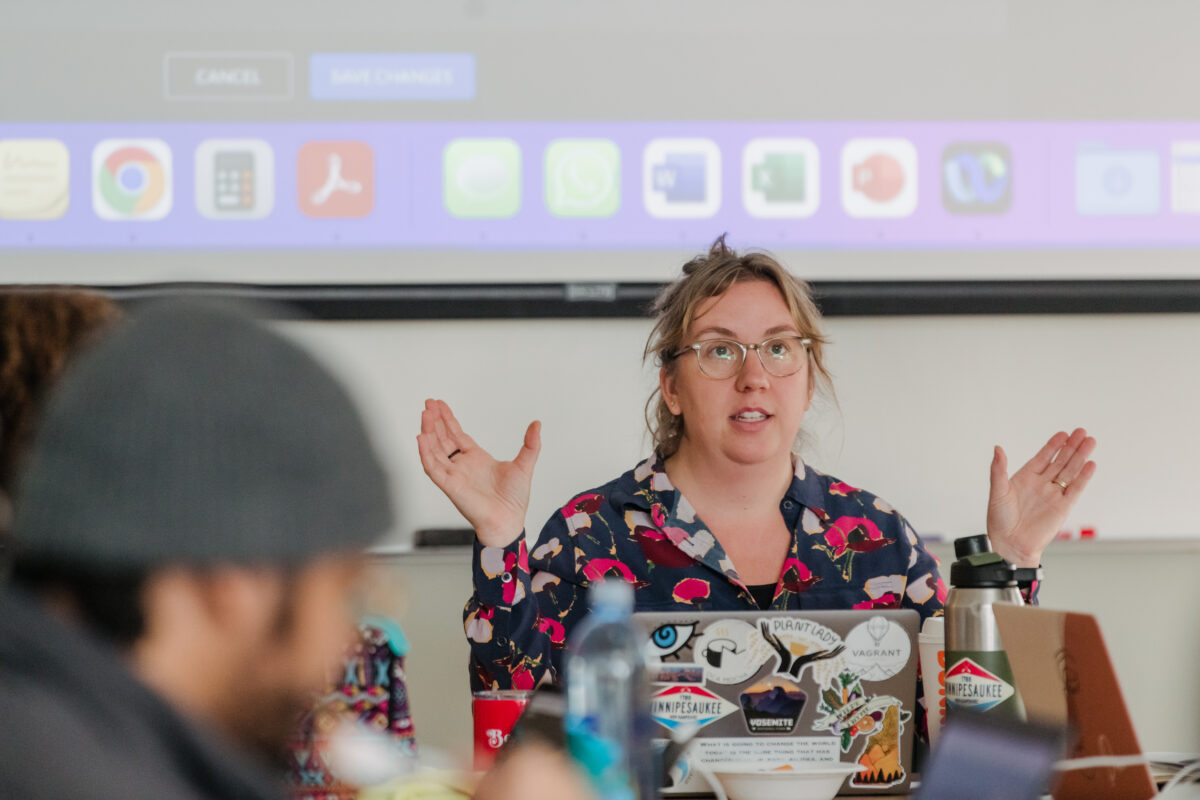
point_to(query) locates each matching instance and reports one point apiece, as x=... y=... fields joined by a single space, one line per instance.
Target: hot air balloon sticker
x=877 y=649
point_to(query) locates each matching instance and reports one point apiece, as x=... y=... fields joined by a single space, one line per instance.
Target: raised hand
x=1026 y=511
x=492 y=495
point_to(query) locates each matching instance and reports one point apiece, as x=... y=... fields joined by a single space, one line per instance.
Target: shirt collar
x=651 y=484
x=808 y=488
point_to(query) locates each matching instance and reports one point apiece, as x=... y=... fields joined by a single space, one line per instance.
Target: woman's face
x=754 y=416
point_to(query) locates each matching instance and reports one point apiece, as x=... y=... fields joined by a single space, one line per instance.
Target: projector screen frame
x=633 y=300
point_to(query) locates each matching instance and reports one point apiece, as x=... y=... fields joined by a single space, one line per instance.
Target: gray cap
x=195 y=435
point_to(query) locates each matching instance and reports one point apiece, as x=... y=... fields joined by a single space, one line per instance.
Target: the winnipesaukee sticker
x=877 y=649
x=680 y=705
x=972 y=687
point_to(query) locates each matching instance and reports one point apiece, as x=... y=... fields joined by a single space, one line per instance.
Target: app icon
x=34 y=178
x=879 y=178
x=781 y=178
x=1185 y=177
x=131 y=179
x=482 y=178
x=583 y=178
x=681 y=178
x=1116 y=181
x=235 y=178
x=336 y=179
x=977 y=178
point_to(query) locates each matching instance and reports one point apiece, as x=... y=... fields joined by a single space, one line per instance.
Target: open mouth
x=751 y=416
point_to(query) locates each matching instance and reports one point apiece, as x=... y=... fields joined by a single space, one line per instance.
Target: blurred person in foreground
x=40 y=331
x=189 y=527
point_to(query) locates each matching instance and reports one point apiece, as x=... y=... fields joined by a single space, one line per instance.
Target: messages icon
x=681 y=178
x=781 y=178
x=481 y=178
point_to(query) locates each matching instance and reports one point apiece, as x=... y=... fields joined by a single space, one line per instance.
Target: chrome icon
x=131 y=179
x=977 y=178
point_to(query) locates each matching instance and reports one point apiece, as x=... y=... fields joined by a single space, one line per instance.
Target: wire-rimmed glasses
x=780 y=356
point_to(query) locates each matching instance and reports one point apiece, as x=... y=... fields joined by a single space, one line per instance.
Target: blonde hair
x=710 y=275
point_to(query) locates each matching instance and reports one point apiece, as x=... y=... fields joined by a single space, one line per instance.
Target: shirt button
x=506 y=577
x=788 y=504
x=500 y=640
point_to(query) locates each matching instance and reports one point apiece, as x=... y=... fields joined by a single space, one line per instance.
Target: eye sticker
x=669 y=639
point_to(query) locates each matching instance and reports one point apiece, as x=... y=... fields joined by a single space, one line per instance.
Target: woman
x=40 y=331
x=724 y=515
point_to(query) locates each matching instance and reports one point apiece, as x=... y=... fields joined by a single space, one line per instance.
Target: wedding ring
x=459 y=450
x=1062 y=483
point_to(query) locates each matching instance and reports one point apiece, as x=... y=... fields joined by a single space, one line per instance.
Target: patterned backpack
x=371 y=689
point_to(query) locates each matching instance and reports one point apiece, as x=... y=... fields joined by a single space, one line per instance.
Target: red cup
x=495 y=713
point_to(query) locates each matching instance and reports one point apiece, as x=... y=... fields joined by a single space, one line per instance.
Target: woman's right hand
x=492 y=495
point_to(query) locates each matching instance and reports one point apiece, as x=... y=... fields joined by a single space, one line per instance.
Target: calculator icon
x=235 y=178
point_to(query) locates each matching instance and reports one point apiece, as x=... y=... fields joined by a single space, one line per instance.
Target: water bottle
x=978 y=675
x=608 y=724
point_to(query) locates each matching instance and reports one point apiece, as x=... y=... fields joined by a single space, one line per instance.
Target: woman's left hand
x=1026 y=511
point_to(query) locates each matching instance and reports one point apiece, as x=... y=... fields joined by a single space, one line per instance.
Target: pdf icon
x=336 y=179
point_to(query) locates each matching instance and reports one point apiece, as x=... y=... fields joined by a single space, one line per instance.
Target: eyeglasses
x=723 y=358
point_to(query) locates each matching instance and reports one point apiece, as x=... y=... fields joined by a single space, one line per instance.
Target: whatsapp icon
x=583 y=178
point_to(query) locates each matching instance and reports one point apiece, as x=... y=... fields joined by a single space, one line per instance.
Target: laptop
x=786 y=687
x=1064 y=675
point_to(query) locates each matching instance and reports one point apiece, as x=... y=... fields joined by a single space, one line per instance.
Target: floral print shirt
x=849 y=550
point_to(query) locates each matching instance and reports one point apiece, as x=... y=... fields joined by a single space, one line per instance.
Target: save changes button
x=392 y=76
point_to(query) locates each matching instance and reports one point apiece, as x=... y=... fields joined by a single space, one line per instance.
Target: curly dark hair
x=40 y=330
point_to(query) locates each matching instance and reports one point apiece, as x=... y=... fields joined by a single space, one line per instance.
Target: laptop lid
x=787 y=687
x=1065 y=676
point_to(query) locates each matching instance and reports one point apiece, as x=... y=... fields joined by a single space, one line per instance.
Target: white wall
x=921 y=401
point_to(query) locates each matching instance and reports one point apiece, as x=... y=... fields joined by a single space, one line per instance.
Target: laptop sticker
x=676 y=673
x=671 y=640
x=881 y=753
x=772 y=706
x=849 y=713
x=732 y=651
x=877 y=649
x=801 y=643
x=688 y=705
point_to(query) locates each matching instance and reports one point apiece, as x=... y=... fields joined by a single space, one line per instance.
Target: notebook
x=1012 y=759
x=787 y=687
x=1064 y=675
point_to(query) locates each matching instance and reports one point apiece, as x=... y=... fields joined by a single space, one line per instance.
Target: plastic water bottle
x=607 y=697
x=978 y=675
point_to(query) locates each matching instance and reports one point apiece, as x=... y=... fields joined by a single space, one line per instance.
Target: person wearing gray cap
x=188 y=530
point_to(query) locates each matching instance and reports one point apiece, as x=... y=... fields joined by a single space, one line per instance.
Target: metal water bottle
x=978 y=675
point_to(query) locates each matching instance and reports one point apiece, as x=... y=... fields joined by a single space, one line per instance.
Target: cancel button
x=227 y=76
